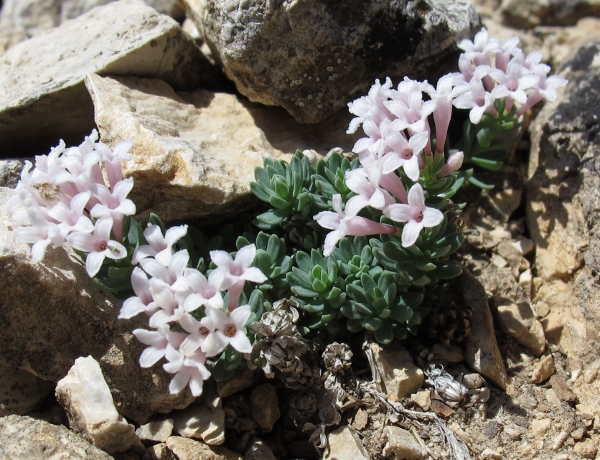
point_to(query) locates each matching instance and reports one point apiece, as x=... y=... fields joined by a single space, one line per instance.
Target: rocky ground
x=519 y=343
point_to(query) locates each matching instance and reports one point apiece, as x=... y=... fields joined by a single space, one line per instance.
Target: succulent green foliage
x=285 y=186
x=330 y=179
x=377 y=304
x=355 y=257
x=227 y=364
x=424 y=262
x=487 y=144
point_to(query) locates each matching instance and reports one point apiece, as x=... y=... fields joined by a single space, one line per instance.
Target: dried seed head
x=337 y=358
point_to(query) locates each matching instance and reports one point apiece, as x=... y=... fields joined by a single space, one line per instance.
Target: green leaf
x=372 y=324
x=488 y=164
x=384 y=334
x=401 y=313
x=303 y=292
x=447 y=270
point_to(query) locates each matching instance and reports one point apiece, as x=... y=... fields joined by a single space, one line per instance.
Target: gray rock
x=527 y=15
x=86 y=398
x=543 y=369
x=10 y=172
x=20 y=391
x=313 y=57
x=481 y=349
x=23 y=19
x=58 y=314
x=41 y=80
x=265 y=406
x=194 y=153
x=24 y=438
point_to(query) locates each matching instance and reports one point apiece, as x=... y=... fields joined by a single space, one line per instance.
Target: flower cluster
x=186 y=308
x=492 y=71
x=65 y=198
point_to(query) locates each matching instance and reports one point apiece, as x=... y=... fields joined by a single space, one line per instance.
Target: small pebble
x=513 y=432
x=586 y=449
x=559 y=441
x=543 y=309
x=543 y=370
x=562 y=390
x=472 y=380
x=551 y=397
x=540 y=427
x=489 y=454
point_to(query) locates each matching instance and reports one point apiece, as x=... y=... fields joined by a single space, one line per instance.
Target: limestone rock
x=401 y=443
x=20 y=391
x=399 y=374
x=58 y=314
x=23 y=19
x=481 y=349
x=86 y=398
x=519 y=321
x=188 y=449
x=195 y=152
x=41 y=80
x=159 y=452
x=159 y=430
x=526 y=15
x=313 y=57
x=265 y=406
x=543 y=369
x=344 y=443
x=563 y=210
x=23 y=438
x=200 y=421
x=241 y=380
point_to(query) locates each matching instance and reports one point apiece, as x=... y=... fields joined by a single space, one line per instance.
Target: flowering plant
x=354 y=242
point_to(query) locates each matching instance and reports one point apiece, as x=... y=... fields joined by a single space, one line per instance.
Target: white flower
x=71 y=218
x=347 y=222
x=169 y=272
x=113 y=158
x=143 y=301
x=114 y=203
x=188 y=368
x=226 y=330
x=415 y=215
x=41 y=235
x=98 y=245
x=236 y=272
x=204 y=292
x=158 y=341
x=371 y=107
x=160 y=247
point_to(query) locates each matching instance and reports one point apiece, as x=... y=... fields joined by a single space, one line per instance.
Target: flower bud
x=454 y=163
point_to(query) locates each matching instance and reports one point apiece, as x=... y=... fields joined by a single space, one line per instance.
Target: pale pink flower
x=371 y=107
x=188 y=368
x=160 y=247
x=113 y=159
x=158 y=341
x=453 y=163
x=477 y=98
x=168 y=272
x=204 y=292
x=367 y=188
x=226 y=330
x=169 y=308
x=236 y=272
x=415 y=215
x=143 y=300
x=114 y=203
x=41 y=235
x=98 y=245
x=71 y=218
x=404 y=153
x=481 y=49
x=347 y=223
x=198 y=333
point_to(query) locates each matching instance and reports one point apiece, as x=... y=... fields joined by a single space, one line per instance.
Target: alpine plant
x=358 y=241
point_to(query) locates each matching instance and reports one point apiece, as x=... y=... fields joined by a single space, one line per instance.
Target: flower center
x=230 y=330
x=416 y=214
x=236 y=270
x=48 y=191
x=102 y=245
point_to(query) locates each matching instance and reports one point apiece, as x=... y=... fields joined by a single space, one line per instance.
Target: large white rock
x=194 y=152
x=86 y=398
x=58 y=314
x=42 y=95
